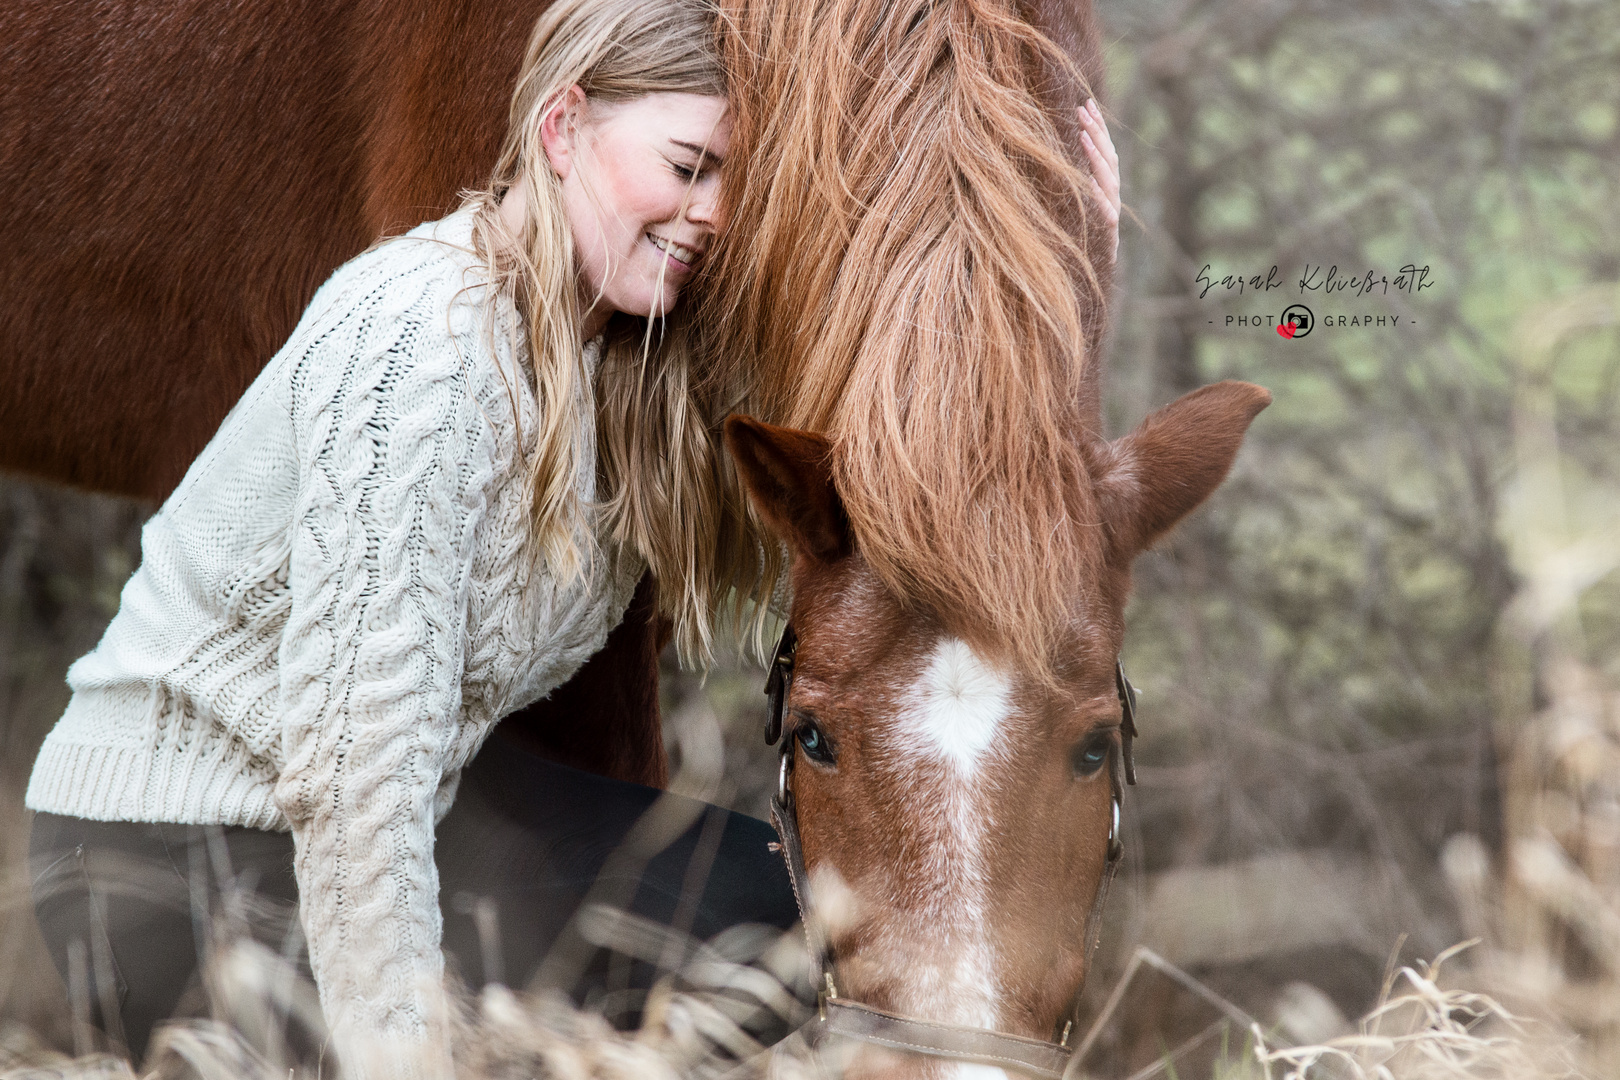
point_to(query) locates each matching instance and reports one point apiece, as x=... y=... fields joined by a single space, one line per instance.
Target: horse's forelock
x=900 y=266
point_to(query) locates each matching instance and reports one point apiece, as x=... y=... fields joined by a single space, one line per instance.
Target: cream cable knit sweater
x=334 y=608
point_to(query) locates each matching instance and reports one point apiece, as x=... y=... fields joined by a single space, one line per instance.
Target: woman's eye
x=683 y=172
x=815 y=744
x=1092 y=755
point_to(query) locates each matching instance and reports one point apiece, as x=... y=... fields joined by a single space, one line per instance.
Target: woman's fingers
x=1101 y=127
x=1109 y=206
x=1104 y=162
x=1103 y=184
x=1102 y=156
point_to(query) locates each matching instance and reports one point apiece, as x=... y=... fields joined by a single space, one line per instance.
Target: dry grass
x=697 y=1022
x=1422 y=1029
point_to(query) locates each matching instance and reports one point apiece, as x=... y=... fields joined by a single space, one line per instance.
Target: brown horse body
x=180 y=177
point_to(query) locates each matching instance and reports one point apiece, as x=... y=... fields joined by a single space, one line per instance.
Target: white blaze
x=973 y=1071
x=963 y=705
x=959 y=708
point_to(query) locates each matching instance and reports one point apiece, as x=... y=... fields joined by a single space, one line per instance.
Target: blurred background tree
x=1341 y=655
x=1327 y=652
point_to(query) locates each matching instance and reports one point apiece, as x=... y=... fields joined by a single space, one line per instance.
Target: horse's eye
x=814 y=744
x=1092 y=754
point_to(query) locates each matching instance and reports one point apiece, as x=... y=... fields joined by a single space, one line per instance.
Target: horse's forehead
x=864 y=638
x=855 y=620
x=849 y=593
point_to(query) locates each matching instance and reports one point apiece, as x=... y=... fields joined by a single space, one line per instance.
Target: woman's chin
x=646 y=299
x=656 y=305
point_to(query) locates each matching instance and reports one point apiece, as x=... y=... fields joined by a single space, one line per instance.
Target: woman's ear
x=559 y=128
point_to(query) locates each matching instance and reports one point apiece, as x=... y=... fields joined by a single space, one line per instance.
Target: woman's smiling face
x=641 y=184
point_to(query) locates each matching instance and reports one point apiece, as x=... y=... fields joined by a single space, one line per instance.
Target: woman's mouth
x=679 y=254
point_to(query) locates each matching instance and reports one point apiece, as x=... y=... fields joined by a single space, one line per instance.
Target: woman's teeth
x=679 y=252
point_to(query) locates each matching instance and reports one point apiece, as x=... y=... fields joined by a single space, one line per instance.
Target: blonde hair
x=905 y=263
x=665 y=485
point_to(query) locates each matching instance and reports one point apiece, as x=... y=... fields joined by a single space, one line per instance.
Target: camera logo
x=1296 y=321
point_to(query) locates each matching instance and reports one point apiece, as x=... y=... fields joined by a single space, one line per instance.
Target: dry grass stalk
x=1427 y=1033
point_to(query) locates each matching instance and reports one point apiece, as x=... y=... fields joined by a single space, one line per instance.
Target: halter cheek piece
x=841 y=1018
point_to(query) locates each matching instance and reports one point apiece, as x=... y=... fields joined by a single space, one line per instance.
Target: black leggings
x=525 y=843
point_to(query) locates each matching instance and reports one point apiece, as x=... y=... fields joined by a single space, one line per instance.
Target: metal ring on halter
x=786 y=767
x=1116 y=846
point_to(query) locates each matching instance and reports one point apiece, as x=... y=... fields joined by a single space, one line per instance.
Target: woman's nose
x=704 y=207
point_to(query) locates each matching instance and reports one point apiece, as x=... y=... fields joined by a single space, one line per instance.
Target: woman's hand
x=1104 y=166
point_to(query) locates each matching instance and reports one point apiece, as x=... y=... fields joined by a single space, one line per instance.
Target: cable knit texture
x=334 y=608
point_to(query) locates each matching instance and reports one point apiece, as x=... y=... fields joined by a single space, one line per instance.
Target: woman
x=427 y=512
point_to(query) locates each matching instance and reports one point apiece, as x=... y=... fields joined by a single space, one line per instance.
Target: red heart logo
x=1287 y=329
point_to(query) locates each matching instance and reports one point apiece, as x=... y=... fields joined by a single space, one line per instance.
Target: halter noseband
x=842 y=1018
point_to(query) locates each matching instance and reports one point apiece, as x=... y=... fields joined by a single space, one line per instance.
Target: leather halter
x=842 y=1018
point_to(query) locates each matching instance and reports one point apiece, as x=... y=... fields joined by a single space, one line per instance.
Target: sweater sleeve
x=394 y=462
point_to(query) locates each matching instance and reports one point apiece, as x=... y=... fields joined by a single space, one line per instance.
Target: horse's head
x=955 y=809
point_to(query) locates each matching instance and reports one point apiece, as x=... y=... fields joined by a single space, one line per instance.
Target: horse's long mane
x=902 y=266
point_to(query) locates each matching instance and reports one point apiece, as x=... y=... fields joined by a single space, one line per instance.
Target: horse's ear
x=788 y=474
x=1158 y=474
